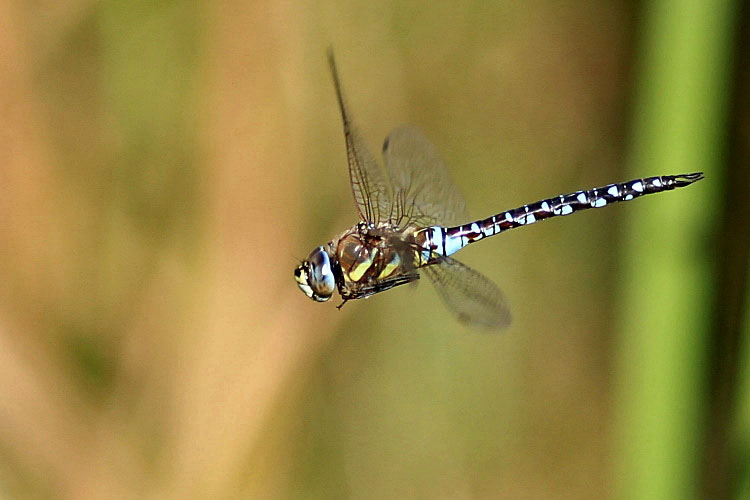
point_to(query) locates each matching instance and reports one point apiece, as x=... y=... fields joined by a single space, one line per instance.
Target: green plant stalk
x=678 y=127
x=741 y=431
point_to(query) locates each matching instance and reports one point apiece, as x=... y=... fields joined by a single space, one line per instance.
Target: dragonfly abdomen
x=447 y=241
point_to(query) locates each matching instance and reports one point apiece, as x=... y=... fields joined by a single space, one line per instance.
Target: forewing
x=423 y=192
x=475 y=299
x=372 y=192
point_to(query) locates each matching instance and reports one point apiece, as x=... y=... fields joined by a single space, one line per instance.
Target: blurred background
x=164 y=165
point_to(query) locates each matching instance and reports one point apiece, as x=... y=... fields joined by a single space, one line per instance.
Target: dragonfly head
x=315 y=277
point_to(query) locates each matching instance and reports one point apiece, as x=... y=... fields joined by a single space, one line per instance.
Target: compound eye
x=321 y=278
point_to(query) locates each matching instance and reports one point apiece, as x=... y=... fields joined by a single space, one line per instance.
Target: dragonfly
x=412 y=219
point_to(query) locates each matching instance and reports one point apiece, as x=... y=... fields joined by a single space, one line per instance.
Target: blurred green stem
x=742 y=416
x=678 y=127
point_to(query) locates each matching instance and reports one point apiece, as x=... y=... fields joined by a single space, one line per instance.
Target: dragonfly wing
x=475 y=299
x=371 y=189
x=423 y=192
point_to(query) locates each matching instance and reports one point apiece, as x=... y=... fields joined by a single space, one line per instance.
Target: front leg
x=365 y=291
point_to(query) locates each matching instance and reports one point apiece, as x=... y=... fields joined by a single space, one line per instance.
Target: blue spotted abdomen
x=437 y=241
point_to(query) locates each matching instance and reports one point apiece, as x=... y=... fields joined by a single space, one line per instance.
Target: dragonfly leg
x=342 y=304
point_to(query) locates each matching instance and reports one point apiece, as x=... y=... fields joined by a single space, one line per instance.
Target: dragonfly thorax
x=315 y=276
x=368 y=255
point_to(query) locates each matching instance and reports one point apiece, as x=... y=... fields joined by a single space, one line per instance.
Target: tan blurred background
x=166 y=164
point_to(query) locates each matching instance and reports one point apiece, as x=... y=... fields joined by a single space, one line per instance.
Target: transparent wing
x=372 y=192
x=474 y=298
x=423 y=192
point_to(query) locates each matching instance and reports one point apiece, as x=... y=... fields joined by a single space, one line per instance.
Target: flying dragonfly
x=413 y=219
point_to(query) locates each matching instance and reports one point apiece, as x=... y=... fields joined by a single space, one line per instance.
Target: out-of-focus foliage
x=680 y=124
x=164 y=166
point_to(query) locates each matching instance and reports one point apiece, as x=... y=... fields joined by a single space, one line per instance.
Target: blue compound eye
x=321 y=279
